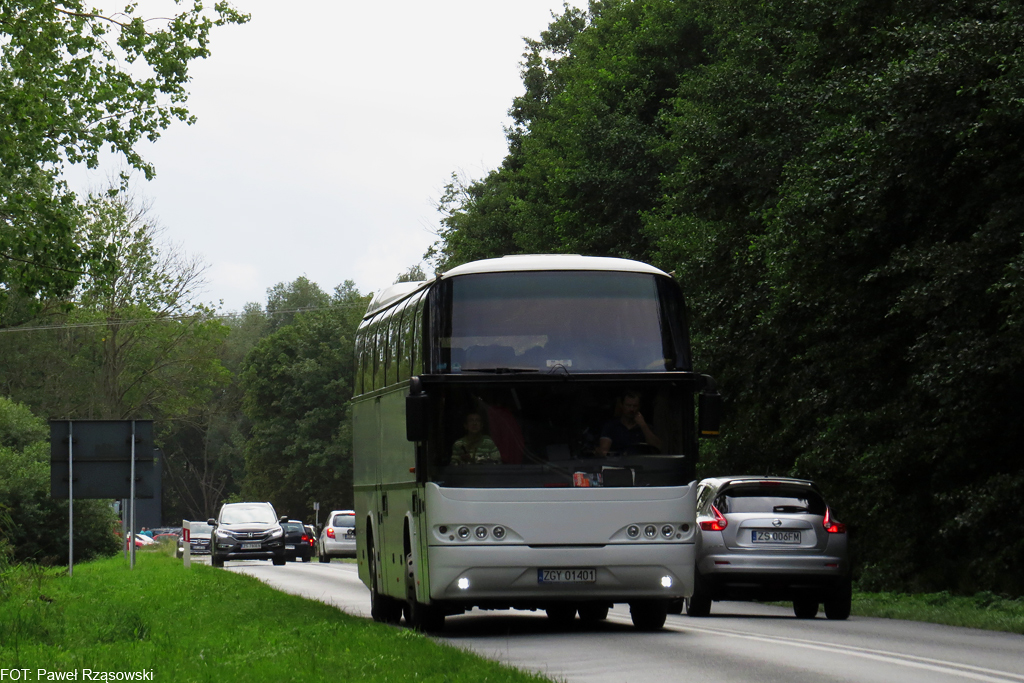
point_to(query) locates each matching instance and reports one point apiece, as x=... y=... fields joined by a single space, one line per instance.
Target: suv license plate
x=251 y=546
x=775 y=536
x=567 y=575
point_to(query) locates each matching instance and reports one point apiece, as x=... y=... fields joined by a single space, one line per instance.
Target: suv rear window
x=770 y=500
x=344 y=520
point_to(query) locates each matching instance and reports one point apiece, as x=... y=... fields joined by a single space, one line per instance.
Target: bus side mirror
x=417 y=414
x=709 y=416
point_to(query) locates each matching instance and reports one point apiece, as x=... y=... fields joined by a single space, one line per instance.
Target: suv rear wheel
x=839 y=603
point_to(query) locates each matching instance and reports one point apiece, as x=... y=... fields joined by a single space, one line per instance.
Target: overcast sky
x=326 y=132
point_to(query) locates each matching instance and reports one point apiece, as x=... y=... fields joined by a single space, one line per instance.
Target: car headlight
x=277 y=533
x=224 y=535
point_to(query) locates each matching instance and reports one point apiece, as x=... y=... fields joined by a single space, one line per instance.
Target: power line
x=189 y=316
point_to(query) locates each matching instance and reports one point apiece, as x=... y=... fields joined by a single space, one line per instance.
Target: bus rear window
x=582 y=321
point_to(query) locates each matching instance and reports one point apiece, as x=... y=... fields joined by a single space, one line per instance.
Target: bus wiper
x=499 y=371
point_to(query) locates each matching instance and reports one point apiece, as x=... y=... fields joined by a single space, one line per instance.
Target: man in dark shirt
x=623 y=435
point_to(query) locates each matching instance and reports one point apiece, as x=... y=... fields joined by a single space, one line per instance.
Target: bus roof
x=511 y=264
x=508 y=264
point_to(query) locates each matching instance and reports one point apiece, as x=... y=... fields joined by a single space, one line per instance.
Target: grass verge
x=983 y=610
x=205 y=624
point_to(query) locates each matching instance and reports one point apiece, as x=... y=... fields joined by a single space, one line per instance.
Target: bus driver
x=622 y=435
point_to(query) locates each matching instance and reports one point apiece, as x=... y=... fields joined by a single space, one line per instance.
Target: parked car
x=247 y=531
x=199 y=540
x=297 y=542
x=338 y=538
x=769 y=538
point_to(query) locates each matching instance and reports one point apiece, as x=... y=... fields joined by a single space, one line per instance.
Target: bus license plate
x=775 y=536
x=251 y=546
x=566 y=575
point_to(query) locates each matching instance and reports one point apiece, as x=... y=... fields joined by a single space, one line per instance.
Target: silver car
x=338 y=538
x=769 y=538
x=200 y=540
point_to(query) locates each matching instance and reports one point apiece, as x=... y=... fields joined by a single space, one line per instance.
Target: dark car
x=247 y=531
x=297 y=541
x=769 y=538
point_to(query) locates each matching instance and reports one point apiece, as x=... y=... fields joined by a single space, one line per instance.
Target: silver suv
x=246 y=531
x=338 y=538
x=769 y=538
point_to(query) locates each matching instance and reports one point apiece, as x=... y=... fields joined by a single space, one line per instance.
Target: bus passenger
x=624 y=434
x=475 y=447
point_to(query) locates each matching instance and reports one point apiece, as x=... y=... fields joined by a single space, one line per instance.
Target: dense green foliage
x=34 y=526
x=838 y=188
x=297 y=383
x=74 y=82
x=206 y=624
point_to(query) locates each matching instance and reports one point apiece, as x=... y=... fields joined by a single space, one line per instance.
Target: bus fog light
x=498 y=532
x=481 y=532
x=667 y=531
x=463 y=583
x=666 y=582
x=650 y=531
x=632 y=531
x=463 y=532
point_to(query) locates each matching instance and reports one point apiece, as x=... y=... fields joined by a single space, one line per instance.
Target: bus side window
x=394 y=320
x=404 y=340
x=358 y=377
x=381 y=327
x=417 y=335
x=369 y=355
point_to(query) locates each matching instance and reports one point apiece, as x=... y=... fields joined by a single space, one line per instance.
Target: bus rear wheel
x=383 y=608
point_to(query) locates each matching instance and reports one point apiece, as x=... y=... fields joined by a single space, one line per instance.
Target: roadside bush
x=36 y=528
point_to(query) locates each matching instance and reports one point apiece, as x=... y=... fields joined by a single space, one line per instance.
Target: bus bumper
x=509 y=575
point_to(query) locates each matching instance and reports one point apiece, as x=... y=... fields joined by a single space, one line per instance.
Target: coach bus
x=524 y=437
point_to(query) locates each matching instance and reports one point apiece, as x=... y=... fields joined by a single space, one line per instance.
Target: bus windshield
x=549 y=321
x=549 y=434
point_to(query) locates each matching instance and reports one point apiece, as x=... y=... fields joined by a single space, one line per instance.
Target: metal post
x=124 y=525
x=71 y=505
x=132 y=544
x=186 y=535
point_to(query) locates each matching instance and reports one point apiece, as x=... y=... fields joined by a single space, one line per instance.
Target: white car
x=338 y=538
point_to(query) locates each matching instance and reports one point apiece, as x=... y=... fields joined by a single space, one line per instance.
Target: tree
x=414 y=274
x=72 y=82
x=298 y=382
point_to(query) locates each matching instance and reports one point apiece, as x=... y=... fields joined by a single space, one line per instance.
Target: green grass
x=983 y=610
x=205 y=624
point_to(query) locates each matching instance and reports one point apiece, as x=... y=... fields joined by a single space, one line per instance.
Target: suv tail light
x=832 y=526
x=717 y=524
x=330 y=532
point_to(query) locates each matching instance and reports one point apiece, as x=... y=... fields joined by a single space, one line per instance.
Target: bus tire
x=425 y=618
x=593 y=612
x=698 y=604
x=805 y=608
x=561 y=615
x=648 y=615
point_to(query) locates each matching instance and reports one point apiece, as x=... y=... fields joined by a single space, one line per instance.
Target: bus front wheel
x=426 y=618
x=648 y=615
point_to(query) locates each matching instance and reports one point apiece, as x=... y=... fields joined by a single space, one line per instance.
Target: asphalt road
x=739 y=642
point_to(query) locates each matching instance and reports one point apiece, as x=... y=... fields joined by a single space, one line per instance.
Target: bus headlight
x=632 y=531
x=667 y=532
x=666 y=582
x=481 y=532
x=498 y=532
x=463 y=583
x=650 y=531
x=463 y=532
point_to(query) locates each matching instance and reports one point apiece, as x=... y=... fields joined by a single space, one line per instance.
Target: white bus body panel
x=572 y=528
